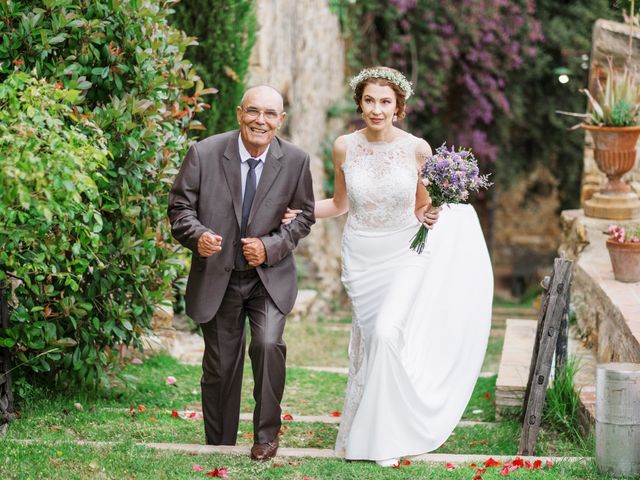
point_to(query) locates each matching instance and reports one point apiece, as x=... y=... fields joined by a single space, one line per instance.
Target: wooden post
x=563 y=338
x=554 y=304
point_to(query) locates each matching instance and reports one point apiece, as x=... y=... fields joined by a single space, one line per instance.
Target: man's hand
x=254 y=251
x=209 y=244
x=430 y=216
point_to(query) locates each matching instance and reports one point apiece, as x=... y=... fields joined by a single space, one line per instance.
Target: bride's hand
x=430 y=216
x=289 y=215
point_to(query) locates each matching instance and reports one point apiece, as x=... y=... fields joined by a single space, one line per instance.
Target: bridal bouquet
x=449 y=176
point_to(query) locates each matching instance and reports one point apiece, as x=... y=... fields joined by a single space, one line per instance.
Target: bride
x=420 y=321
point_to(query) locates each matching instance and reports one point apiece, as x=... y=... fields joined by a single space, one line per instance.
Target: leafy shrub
x=50 y=163
x=125 y=64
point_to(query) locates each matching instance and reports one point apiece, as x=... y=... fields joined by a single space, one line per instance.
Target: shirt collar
x=245 y=155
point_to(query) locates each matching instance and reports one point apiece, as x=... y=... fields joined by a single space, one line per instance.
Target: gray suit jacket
x=207 y=196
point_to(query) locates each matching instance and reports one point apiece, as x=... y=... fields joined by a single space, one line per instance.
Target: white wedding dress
x=420 y=321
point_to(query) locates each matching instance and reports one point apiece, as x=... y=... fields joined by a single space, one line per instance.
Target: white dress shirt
x=244 y=166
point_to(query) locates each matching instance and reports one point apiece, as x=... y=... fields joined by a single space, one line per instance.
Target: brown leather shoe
x=264 y=451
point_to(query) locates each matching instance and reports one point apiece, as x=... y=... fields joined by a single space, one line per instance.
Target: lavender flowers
x=449 y=176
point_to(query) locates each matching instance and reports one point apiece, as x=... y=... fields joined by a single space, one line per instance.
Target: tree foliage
x=226 y=34
x=98 y=262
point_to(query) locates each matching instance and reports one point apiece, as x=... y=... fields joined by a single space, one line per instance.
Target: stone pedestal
x=613 y=206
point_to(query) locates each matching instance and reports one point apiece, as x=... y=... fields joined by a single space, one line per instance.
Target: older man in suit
x=226 y=206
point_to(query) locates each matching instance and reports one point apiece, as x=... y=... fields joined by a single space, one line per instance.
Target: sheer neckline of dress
x=383 y=143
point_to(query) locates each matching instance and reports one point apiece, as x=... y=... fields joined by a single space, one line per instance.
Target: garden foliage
x=225 y=35
x=83 y=231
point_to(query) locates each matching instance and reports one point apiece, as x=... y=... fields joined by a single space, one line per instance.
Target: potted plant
x=614 y=122
x=624 y=251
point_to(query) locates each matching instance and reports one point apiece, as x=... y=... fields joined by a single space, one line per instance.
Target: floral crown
x=390 y=75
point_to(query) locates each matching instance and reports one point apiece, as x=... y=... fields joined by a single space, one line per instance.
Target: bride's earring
x=395 y=118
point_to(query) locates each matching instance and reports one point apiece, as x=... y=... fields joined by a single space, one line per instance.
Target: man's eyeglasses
x=253 y=113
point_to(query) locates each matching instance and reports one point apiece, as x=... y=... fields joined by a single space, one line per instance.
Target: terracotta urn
x=615 y=153
x=625 y=260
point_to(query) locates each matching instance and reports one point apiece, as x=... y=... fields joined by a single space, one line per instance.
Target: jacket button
x=227 y=269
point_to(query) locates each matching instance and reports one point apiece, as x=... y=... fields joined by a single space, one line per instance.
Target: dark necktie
x=249 y=193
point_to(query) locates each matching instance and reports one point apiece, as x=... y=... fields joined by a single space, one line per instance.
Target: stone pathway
x=438 y=458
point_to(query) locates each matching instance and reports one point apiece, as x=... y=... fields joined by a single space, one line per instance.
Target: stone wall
x=607 y=311
x=526 y=232
x=610 y=40
x=299 y=50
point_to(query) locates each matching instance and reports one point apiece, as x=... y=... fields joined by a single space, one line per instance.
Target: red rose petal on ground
x=141 y=408
x=487 y=396
x=549 y=463
x=450 y=466
x=335 y=414
x=472 y=443
x=528 y=464
x=175 y=414
x=285 y=427
x=406 y=463
x=484 y=441
x=477 y=477
x=473 y=465
x=518 y=462
x=218 y=472
x=481 y=470
x=491 y=463
x=197 y=467
x=153 y=420
x=537 y=464
x=504 y=471
x=287 y=417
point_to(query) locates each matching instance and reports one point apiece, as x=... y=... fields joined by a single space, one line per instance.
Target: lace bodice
x=381 y=180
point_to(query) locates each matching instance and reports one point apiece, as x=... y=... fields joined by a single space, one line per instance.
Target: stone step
x=513 y=372
x=195 y=449
x=515 y=311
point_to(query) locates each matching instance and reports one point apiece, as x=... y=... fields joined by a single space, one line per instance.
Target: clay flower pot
x=625 y=260
x=615 y=153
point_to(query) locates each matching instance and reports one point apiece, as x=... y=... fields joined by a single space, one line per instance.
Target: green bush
x=125 y=64
x=50 y=229
x=225 y=34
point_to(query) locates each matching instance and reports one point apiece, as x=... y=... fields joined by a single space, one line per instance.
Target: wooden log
x=539 y=375
x=563 y=338
x=546 y=282
x=618 y=419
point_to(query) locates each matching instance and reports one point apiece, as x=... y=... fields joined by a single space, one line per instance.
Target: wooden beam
x=549 y=323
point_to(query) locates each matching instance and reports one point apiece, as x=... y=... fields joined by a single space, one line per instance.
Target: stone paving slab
x=197 y=449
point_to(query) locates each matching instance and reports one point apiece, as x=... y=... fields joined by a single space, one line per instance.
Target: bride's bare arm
x=339 y=203
x=425 y=213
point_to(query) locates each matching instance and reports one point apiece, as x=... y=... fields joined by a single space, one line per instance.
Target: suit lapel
x=231 y=166
x=271 y=168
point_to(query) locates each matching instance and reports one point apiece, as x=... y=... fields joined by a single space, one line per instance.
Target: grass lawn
x=42 y=443
x=127 y=461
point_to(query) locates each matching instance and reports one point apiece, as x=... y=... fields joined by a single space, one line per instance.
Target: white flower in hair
x=390 y=75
